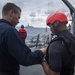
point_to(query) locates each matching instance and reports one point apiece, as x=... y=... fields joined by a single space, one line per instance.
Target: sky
x=35 y=12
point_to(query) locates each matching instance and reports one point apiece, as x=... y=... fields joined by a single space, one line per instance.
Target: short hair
x=10 y=6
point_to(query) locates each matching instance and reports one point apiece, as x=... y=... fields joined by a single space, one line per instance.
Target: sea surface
x=32 y=32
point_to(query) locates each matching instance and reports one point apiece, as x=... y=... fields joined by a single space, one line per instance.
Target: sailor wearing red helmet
x=56 y=21
x=58 y=61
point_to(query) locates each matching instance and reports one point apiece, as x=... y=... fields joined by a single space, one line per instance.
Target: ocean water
x=33 y=32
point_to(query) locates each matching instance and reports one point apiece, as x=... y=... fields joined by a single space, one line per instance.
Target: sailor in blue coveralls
x=12 y=49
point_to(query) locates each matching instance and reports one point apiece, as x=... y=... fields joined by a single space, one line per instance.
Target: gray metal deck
x=32 y=70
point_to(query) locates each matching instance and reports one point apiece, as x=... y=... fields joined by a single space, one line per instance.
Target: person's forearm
x=45 y=67
x=47 y=70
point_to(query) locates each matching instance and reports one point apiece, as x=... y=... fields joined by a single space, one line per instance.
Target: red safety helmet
x=56 y=17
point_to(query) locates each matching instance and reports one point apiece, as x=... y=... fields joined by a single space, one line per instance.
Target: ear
x=11 y=13
x=56 y=23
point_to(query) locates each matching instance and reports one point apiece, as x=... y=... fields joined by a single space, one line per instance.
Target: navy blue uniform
x=59 y=58
x=13 y=51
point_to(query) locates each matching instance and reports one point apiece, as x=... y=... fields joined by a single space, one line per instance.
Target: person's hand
x=43 y=50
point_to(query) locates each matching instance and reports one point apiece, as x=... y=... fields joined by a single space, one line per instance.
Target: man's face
x=15 y=18
x=52 y=29
x=55 y=27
